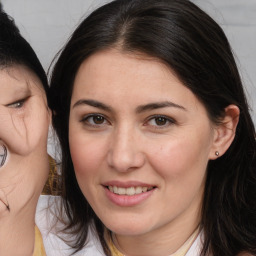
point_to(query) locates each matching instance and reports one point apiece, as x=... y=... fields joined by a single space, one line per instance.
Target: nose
x=125 y=152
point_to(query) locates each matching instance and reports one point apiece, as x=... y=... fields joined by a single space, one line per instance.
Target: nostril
x=3 y=155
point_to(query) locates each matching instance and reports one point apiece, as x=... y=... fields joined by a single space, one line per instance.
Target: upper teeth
x=128 y=191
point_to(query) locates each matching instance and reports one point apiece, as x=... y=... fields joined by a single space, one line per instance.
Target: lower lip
x=127 y=201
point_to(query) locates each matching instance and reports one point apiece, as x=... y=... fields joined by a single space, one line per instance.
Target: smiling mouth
x=131 y=191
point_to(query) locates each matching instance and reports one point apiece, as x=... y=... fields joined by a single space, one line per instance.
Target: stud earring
x=217 y=153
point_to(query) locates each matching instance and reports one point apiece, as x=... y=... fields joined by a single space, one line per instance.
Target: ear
x=224 y=133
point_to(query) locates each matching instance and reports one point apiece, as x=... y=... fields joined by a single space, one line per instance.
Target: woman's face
x=140 y=142
x=24 y=121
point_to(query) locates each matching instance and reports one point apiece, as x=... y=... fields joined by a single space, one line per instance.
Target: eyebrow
x=23 y=88
x=93 y=103
x=139 y=109
x=157 y=105
x=18 y=94
x=22 y=91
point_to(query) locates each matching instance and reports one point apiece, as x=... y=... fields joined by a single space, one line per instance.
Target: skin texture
x=24 y=121
x=133 y=123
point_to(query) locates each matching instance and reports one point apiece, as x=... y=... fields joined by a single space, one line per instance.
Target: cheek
x=25 y=132
x=13 y=133
x=86 y=155
x=38 y=121
x=87 y=159
x=176 y=159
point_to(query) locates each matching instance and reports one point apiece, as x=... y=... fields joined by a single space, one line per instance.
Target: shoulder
x=47 y=222
x=45 y=211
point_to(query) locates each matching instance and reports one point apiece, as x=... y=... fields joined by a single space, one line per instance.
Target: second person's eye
x=17 y=104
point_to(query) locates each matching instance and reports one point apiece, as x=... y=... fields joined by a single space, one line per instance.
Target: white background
x=47 y=24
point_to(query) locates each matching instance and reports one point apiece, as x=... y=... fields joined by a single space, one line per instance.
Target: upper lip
x=126 y=184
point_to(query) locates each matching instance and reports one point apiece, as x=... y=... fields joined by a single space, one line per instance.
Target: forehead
x=113 y=67
x=115 y=73
x=18 y=79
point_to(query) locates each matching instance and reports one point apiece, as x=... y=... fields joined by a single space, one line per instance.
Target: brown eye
x=3 y=155
x=160 y=120
x=95 y=120
x=98 y=119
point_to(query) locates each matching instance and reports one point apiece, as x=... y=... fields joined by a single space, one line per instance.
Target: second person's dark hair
x=15 y=50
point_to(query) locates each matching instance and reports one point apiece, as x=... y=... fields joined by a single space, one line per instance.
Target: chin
x=126 y=228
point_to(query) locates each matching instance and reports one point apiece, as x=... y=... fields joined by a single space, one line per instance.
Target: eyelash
x=17 y=104
x=167 y=121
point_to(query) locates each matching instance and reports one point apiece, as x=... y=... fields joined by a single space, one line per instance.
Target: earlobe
x=224 y=133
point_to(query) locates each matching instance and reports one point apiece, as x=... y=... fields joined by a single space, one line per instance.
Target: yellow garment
x=181 y=251
x=113 y=249
x=39 y=245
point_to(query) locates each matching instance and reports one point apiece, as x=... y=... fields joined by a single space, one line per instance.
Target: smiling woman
x=24 y=121
x=157 y=141
x=154 y=138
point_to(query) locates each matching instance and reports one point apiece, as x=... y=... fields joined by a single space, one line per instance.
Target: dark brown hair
x=194 y=46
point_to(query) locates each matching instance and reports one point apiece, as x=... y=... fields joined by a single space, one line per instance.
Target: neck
x=17 y=231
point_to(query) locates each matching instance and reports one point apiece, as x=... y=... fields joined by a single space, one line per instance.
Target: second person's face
x=24 y=121
x=140 y=142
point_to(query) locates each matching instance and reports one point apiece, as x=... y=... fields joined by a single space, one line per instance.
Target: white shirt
x=195 y=248
x=55 y=246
